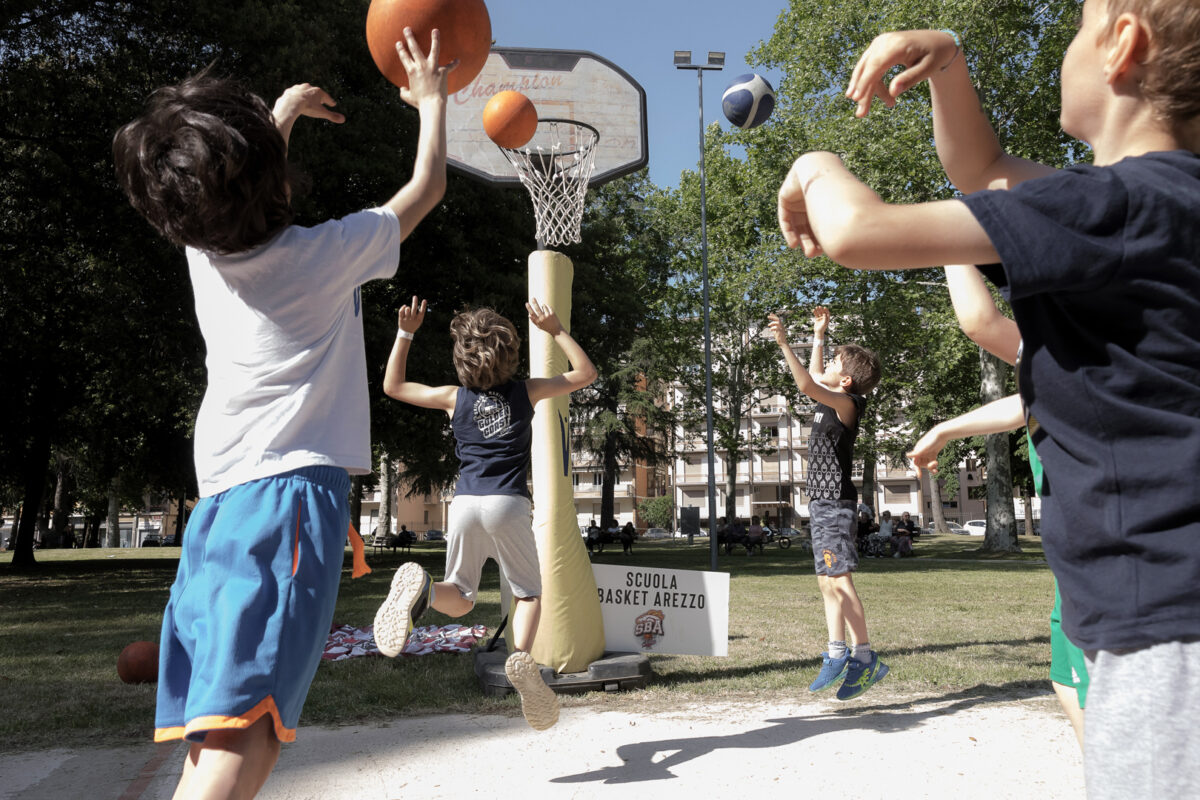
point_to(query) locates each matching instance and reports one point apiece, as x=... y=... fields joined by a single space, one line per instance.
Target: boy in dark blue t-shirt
x=490 y=515
x=1102 y=266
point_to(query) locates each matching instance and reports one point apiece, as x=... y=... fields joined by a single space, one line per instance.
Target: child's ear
x=846 y=382
x=1129 y=46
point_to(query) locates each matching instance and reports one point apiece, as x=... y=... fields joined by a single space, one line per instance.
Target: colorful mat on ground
x=347 y=641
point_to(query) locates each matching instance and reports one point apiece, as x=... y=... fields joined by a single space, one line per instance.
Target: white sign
x=677 y=611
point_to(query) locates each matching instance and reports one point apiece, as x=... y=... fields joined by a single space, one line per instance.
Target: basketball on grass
x=464 y=25
x=138 y=663
x=748 y=101
x=509 y=119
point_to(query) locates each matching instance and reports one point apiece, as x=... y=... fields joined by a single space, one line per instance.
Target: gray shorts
x=833 y=527
x=1141 y=736
x=499 y=527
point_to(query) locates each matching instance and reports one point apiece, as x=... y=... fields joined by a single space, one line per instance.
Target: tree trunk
x=179 y=511
x=62 y=505
x=36 y=459
x=1001 y=534
x=935 y=502
x=112 y=537
x=1027 y=503
x=870 y=460
x=608 y=483
x=385 y=495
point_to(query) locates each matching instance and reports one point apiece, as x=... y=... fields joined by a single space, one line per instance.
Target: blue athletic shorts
x=252 y=603
x=833 y=527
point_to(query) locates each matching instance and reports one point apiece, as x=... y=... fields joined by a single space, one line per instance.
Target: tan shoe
x=539 y=703
x=407 y=600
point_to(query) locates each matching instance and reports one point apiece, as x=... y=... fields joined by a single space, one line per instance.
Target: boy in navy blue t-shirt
x=1102 y=266
x=491 y=415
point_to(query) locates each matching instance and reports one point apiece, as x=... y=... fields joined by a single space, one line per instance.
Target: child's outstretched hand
x=543 y=317
x=925 y=452
x=303 y=100
x=426 y=80
x=820 y=321
x=411 y=317
x=778 y=329
x=793 y=209
x=922 y=52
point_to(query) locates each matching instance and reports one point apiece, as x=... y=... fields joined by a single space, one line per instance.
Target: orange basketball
x=138 y=663
x=509 y=119
x=465 y=27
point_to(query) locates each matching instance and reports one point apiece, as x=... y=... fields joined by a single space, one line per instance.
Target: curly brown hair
x=1172 y=79
x=861 y=364
x=487 y=348
x=206 y=166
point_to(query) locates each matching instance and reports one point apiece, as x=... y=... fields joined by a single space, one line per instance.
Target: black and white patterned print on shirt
x=492 y=414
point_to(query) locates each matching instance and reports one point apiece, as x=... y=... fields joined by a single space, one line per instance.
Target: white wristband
x=403 y=334
x=818 y=342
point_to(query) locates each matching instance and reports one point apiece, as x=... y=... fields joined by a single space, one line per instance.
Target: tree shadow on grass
x=638 y=757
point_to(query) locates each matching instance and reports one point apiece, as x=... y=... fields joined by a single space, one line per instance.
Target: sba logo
x=649 y=627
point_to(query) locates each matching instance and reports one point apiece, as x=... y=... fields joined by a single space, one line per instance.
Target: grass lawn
x=947 y=621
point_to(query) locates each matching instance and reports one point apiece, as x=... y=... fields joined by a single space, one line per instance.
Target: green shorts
x=1067 y=665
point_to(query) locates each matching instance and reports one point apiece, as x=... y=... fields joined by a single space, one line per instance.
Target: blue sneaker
x=860 y=677
x=832 y=670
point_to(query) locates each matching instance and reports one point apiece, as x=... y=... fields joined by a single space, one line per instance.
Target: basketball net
x=555 y=167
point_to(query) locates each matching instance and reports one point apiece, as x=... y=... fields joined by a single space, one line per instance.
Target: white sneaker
x=539 y=703
x=407 y=600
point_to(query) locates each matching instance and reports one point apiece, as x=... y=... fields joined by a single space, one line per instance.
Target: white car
x=954 y=527
x=656 y=533
x=975 y=527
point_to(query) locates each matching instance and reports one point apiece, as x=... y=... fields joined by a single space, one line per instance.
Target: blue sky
x=641 y=36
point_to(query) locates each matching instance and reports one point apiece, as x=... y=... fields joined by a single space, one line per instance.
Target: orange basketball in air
x=509 y=119
x=138 y=663
x=465 y=27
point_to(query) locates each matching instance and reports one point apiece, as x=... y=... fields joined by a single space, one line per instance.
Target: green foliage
x=658 y=511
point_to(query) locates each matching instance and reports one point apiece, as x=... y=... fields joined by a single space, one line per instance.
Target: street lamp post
x=683 y=60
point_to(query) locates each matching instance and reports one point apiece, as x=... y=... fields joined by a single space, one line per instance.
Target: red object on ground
x=138 y=663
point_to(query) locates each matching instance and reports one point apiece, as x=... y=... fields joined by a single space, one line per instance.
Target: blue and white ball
x=748 y=101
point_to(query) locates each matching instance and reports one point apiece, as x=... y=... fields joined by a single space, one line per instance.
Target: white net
x=555 y=167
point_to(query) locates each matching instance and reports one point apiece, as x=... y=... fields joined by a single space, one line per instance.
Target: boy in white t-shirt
x=285 y=415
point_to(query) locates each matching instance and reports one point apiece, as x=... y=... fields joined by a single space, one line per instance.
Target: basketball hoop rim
x=566 y=121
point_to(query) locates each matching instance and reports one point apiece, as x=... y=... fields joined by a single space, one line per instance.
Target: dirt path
x=970 y=746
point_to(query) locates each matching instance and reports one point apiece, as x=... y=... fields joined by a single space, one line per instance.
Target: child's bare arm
x=826 y=210
x=303 y=100
x=966 y=143
x=816 y=359
x=582 y=372
x=427 y=93
x=839 y=402
x=395 y=380
x=1001 y=415
x=977 y=313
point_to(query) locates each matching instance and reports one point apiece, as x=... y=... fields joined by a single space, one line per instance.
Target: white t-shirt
x=287 y=372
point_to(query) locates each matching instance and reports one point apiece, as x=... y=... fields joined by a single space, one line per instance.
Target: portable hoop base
x=612 y=672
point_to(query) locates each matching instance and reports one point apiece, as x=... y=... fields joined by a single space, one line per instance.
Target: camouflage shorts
x=833 y=526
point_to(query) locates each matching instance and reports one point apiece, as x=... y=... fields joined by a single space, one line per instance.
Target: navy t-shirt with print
x=831 y=454
x=1102 y=267
x=492 y=438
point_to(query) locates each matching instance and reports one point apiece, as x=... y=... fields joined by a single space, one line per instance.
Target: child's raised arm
x=303 y=100
x=395 y=380
x=966 y=143
x=805 y=382
x=1001 y=415
x=582 y=372
x=977 y=314
x=826 y=210
x=427 y=93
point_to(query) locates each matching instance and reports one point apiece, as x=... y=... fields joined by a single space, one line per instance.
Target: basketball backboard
x=563 y=84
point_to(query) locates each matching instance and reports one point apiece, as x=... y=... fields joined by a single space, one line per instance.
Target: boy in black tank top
x=839 y=390
x=490 y=514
